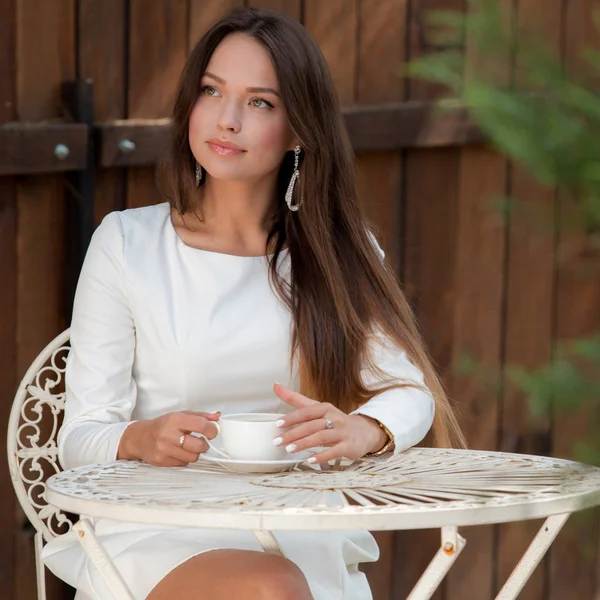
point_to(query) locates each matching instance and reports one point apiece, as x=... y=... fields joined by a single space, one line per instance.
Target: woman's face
x=239 y=104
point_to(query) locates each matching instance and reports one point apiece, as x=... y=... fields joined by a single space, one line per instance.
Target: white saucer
x=258 y=466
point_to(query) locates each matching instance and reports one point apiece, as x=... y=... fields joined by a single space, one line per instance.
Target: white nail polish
x=277 y=441
x=280 y=423
x=311 y=460
x=290 y=447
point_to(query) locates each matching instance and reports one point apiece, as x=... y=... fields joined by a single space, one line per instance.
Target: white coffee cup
x=249 y=436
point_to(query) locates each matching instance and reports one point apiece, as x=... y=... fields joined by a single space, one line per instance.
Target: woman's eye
x=209 y=90
x=260 y=103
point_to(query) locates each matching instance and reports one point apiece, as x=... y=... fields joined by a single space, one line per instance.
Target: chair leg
x=40 y=569
x=101 y=560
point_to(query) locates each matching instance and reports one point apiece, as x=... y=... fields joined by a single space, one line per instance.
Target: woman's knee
x=279 y=578
x=237 y=574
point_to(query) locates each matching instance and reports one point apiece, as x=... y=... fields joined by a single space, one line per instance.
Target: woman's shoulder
x=143 y=218
x=133 y=223
x=133 y=230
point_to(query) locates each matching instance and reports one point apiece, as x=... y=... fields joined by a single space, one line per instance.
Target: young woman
x=259 y=269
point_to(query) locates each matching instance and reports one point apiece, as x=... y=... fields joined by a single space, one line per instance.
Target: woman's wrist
x=377 y=437
x=129 y=442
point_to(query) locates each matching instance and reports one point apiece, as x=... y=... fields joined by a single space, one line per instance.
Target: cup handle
x=220 y=452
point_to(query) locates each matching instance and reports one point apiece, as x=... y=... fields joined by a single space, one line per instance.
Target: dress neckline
x=213 y=252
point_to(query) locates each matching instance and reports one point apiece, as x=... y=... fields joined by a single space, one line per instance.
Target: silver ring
x=182 y=440
x=328 y=423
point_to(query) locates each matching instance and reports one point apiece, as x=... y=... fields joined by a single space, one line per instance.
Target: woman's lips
x=224 y=150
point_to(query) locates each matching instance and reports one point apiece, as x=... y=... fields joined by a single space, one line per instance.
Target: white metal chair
x=33 y=426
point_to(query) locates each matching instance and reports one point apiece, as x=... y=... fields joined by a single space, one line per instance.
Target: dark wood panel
x=429 y=241
x=8 y=368
x=382 y=29
x=379 y=181
x=528 y=339
x=478 y=318
x=45 y=49
x=572 y=572
x=8 y=297
x=429 y=246
x=334 y=24
x=529 y=310
x=102 y=58
x=29 y=148
x=157 y=51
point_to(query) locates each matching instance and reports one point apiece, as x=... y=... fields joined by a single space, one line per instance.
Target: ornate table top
x=418 y=489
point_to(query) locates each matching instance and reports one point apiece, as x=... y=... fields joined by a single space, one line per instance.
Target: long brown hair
x=340 y=291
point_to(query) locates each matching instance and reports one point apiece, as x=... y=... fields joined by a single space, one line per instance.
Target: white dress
x=159 y=326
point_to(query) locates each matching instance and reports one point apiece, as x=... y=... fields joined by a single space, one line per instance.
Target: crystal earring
x=295 y=176
x=198 y=174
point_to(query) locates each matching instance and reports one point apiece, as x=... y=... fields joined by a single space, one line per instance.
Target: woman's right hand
x=156 y=441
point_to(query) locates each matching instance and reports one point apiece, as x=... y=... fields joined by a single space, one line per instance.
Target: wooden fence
x=482 y=284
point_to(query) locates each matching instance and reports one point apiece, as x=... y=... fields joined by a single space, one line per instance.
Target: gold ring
x=182 y=440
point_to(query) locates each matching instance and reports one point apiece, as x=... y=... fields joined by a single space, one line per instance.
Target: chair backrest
x=35 y=419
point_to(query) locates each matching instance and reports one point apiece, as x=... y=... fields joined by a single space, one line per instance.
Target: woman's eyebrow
x=254 y=90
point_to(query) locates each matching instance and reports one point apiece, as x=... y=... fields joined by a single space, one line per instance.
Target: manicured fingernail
x=290 y=447
x=311 y=460
x=277 y=441
x=280 y=423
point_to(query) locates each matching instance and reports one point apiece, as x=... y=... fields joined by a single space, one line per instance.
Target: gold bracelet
x=389 y=445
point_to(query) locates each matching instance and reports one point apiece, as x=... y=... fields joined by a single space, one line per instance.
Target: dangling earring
x=198 y=174
x=295 y=176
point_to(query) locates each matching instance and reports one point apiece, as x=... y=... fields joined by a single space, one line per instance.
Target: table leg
x=268 y=542
x=452 y=545
x=532 y=557
x=101 y=560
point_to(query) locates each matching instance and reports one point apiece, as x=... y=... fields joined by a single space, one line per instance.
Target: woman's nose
x=229 y=119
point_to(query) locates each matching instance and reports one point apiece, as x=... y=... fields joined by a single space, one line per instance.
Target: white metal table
x=421 y=488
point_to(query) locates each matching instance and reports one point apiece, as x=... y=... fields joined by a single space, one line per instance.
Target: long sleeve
x=407 y=412
x=100 y=390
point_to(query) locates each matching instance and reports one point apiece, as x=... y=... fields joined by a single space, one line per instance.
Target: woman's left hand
x=351 y=436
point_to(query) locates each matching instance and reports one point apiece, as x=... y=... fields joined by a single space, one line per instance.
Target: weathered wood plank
x=203 y=13
x=371 y=129
x=292 y=8
x=382 y=29
x=102 y=39
x=478 y=317
x=8 y=297
x=478 y=306
x=157 y=51
x=46 y=58
x=410 y=125
x=334 y=24
x=572 y=558
x=429 y=247
x=529 y=310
